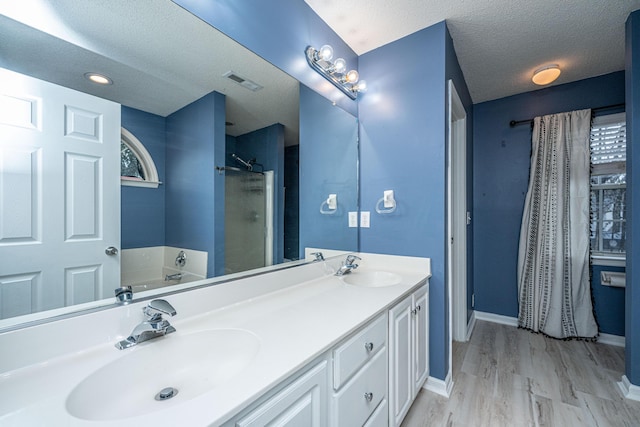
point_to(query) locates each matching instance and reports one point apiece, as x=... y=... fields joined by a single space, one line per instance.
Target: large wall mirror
x=246 y=156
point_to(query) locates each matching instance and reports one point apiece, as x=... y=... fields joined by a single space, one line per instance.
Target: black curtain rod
x=514 y=123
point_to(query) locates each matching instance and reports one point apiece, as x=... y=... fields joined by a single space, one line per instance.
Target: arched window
x=136 y=165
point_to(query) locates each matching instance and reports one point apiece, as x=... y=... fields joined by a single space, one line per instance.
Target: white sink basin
x=192 y=364
x=372 y=279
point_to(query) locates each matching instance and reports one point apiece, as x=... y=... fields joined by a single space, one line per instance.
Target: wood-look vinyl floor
x=505 y=376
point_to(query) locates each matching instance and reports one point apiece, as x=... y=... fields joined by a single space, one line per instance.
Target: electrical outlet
x=353 y=219
x=365 y=219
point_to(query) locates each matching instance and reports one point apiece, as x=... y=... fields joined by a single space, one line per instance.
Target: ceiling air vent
x=246 y=83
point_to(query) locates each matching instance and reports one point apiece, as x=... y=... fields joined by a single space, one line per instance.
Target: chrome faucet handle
x=318 y=256
x=351 y=261
x=157 y=307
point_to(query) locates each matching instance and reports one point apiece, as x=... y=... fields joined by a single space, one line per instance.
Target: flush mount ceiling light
x=545 y=75
x=98 y=78
x=336 y=72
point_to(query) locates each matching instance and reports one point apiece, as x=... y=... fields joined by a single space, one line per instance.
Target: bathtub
x=161 y=282
x=146 y=268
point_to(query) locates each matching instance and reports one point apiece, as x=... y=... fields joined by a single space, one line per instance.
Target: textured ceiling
x=160 y=58
x=499 y=43
x=153 y=53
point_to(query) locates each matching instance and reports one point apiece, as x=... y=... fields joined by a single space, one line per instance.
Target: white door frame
x=457 y=217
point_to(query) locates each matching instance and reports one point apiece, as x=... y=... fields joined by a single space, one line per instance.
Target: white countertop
x=294 y=324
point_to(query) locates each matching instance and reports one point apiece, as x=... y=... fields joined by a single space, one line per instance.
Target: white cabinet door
x=408 y=352
x=59 y=195
x=400 y=360
x=301 y=404
x=421 y=339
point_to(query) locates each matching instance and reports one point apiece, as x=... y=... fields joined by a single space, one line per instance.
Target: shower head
x=246 y=164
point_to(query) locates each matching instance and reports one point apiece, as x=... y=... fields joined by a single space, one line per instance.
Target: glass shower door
x=245 y=220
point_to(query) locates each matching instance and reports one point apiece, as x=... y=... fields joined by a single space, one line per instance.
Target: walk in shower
x=248 y=211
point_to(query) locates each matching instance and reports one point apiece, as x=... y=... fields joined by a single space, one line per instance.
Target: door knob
x=111 y=251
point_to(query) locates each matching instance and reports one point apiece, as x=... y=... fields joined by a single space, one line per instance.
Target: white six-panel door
x=59 y=196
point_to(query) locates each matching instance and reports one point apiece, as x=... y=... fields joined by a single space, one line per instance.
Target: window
x=608 y=187
x=136 y=165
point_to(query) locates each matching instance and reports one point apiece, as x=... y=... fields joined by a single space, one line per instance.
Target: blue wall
x=195 y=146
x=402 y=134
x=267 y=147
x=632 y=295
x=258 y=26
x=501 y=174
x=608 y=302
x=328 y=159
x=402 y=148
x=142 y=210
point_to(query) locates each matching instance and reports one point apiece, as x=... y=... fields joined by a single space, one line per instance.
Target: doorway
x=457 y=216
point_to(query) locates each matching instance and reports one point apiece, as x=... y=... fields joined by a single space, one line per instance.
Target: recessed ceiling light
x=99 y=78
x=545 y=75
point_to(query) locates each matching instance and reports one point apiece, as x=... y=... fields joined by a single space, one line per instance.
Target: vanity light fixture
x=98 y=78
x=546 y=75
x=336 y=72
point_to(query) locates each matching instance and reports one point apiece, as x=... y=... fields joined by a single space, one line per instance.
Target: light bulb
x=546 y=75
x=361 y=86
x=325 y=53
x=98 y=78
x=339 y=66
x=352 y=76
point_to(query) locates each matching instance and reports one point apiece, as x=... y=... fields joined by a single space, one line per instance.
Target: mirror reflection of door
x=60 y=196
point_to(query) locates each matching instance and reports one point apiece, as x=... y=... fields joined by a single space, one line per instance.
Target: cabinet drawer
x=380 y=417
x=358 y=399
x=302 y=403
x=354 y=353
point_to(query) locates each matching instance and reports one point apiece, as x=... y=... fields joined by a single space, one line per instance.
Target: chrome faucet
x=318 y=256
x=176 y=276
x=155 y=326
x=348 y=265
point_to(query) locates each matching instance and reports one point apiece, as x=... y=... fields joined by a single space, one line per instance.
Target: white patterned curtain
x=553 y=262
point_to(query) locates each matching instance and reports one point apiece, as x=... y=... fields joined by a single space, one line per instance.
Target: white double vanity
x=297 y=346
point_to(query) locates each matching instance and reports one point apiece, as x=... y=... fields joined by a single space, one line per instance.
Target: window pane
x=129 y=163
x=593 y=229
x=608 y=227
x=608 y=184
x=618 y=178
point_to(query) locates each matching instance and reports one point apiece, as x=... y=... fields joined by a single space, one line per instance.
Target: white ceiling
x=153 y=49
x=499 y=43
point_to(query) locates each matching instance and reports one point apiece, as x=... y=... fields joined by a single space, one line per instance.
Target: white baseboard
x=616 y=340
x=629 y=390
x=438 y=386
x=471 y=325
x=513 y=321
x=496 y=318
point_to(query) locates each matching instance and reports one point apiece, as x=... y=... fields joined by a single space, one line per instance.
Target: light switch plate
x=353 y=219
x=364 y=219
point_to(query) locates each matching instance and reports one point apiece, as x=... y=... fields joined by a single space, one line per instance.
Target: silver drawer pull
x=414 y=311
x=368 y=397
x=419 y=308
x=368 y=346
